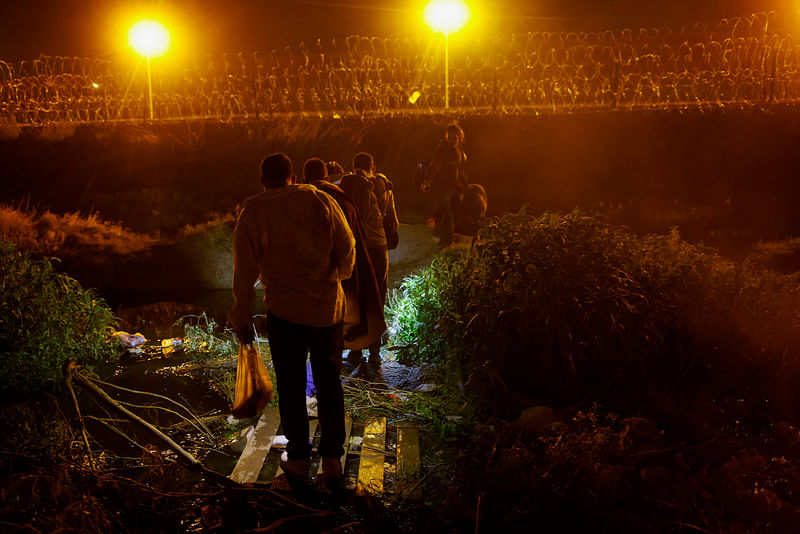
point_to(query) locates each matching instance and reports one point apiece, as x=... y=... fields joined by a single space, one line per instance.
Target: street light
x=446 y=16
x=150 y=39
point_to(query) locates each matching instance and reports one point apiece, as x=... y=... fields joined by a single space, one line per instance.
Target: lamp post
x=446 y=16
x=149 y=38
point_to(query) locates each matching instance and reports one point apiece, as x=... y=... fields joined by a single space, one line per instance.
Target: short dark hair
x=276 y=170
x=363 y=161
x=454 y=128
x=314 y=169
x=335 y=168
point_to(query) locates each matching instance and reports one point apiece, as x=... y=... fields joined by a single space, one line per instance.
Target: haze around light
x=149 y=38
x=446 y=16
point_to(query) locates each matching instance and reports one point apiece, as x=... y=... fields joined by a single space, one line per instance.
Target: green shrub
x=425 y=303
x=557 y=306
x=215 y=351
x=45 y=318
x=204 y=341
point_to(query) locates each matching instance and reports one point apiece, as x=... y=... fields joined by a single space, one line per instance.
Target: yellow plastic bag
x=253 y=385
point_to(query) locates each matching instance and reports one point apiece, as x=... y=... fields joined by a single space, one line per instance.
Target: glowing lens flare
x=446 y=16
x=149 y=38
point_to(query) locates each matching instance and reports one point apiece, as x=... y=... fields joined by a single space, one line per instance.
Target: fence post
x=361 y=84
x=255 y=97
x=494 y=90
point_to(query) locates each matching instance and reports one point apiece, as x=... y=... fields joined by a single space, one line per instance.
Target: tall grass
x=68 y=234
x=45 y=318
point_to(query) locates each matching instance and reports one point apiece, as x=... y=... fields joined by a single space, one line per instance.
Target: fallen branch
x=19 y=527
x=204 y=420
x=71 y=371
x=117 y=430
x=280 y=522
x=165 y=398
x=343 y=528
x=277 y=496
x=68 y=376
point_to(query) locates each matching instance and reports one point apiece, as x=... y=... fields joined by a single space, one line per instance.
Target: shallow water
x=154 y=314
x=147 y=377
x=211 y=299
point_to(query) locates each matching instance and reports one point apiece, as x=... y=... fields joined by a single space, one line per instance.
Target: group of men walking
x=320 y=251
x=319 y=246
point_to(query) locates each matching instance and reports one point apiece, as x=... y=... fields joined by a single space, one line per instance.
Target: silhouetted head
x=363 y=161
x=454 y=134
x=314 y=169
x=335 y=171
x=276 y=171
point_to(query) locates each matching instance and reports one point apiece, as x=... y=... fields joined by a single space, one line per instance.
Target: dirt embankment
x=160 y=177
x=726 y=178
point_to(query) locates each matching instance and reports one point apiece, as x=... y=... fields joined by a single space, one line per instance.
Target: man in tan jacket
x=294 y=239
x=372 y=194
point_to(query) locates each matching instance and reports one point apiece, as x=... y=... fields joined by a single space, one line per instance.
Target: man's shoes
x=296 y=470
x=352 y=364
x=332 y=477
x=373 y=369
x=332 y=467
x=359 y=370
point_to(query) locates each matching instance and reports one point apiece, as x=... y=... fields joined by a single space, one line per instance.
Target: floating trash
x=171 y=345
x=130 y=341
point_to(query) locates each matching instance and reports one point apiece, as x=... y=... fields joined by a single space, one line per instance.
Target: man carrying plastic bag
x=253 y=384
x=295 y=239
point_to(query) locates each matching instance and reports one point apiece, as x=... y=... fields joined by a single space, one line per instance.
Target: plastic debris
x=130 y=341
x=279 y=441
x=171 y=345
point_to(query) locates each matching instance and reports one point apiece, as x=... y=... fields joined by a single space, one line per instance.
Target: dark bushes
x=563 y=308
x=45 y=318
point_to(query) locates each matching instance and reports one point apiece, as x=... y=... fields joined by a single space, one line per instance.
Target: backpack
x=382 y=186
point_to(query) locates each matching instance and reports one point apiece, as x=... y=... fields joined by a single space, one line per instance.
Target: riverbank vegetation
x=624 y=383
x=591 y=379
x=45 y=318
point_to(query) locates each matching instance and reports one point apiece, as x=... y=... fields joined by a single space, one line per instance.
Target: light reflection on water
x=208 y=298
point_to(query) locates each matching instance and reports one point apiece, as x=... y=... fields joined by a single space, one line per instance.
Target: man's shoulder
x=254 y=200
x=383 y=180
x=281 y=194
x=355 y=181
x=326 y=186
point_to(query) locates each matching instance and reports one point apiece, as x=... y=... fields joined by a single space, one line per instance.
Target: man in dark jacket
x=445 y=179
x=374 y=199
x=364 y=323
x=295 y=239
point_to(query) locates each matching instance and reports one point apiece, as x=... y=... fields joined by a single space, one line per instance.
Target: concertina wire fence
x=742 y=61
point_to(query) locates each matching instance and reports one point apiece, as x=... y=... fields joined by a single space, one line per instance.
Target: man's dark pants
x=445 y=214
x=380 y=262
x=289 y=344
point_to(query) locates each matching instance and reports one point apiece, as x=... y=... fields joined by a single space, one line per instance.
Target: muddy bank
x=739 y=166
x=198 y=269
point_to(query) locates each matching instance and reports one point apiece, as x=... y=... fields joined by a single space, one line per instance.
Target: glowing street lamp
x=446 y=16
x=150 y=39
